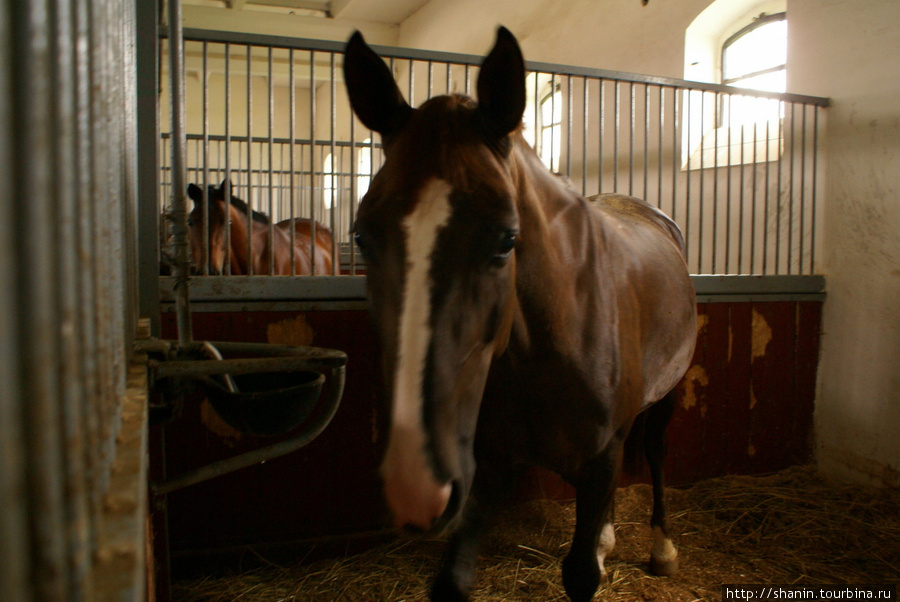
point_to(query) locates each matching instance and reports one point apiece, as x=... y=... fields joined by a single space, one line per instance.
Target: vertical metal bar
x=728 y=225
x=659 y=154
x=249 y=217
x=800 y=261
x=631 y=123
x=468 y=83
x=741 y=187
x=430 y=79
x=790 y=246
x=715 y=199
x=765 y=236
x=228 y=258
x=701 y=177
x=584 y=136
x=778 y=202
x=335 y=194
x=292 y=107
x=312 y=158
x=180 y=233
x=148 y=164
x=449 y=82
x=354 y=185
x=814 y=175
x=16 y=568
x=205 y=256
x=646 y=139
x=687 y=174
x=616 y=139
x=675 y=151
x=412 y=82
x=553 y=149
x=600 y=166
x=270 y=125
x=753 y=190
x=73 y=396
x=570 y=110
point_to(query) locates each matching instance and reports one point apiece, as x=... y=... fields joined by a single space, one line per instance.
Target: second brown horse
x=248 y=243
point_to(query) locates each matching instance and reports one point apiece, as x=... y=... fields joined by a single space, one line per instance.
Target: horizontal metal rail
x=736 y=169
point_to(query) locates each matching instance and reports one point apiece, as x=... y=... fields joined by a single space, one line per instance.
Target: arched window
x=740 y=43
x=755 y=56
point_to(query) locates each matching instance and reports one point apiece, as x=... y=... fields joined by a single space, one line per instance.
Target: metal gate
x=71 y=399
x=737 y=169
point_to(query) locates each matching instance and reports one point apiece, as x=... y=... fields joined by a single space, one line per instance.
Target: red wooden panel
x=737 y=413
x=738 y=390
x=772 y=390
x=809 y=324
x=328 y=487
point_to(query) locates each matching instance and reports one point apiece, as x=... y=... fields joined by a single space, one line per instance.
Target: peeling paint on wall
x=293 y=331
x=694 y=378
x=761 y=335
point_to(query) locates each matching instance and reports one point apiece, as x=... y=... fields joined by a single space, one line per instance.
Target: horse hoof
x=663 y=568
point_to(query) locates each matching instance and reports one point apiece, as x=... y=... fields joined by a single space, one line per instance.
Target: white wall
x=847 y=50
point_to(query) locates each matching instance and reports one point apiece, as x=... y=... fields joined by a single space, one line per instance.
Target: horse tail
x=648 y=433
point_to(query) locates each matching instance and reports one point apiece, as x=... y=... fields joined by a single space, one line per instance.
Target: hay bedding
x=790 y=527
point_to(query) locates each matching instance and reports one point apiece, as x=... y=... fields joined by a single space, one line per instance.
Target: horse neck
x=238 y=244
x=562 y=242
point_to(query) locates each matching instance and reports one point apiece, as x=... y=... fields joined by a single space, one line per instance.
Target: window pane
x=762 y=48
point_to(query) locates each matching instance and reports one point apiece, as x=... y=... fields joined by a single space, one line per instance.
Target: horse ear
x=195 y=193
x=373 y=93
x=501 y=85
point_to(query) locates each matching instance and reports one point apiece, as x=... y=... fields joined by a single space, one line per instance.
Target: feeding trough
x=266 y=404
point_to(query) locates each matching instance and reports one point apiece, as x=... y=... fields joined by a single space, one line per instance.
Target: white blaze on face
x=412 y=491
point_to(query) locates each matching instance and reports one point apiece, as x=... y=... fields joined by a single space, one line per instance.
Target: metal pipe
x=181 y=269
x=312 y=430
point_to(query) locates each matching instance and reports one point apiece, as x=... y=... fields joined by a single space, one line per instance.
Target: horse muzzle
x=414 y=495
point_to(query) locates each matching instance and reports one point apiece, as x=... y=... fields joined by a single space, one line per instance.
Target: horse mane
x=257 y=216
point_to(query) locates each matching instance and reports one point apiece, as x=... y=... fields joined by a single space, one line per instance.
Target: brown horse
x=519 y=323
x=264 y=253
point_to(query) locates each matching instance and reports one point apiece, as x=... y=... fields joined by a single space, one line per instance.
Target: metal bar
x=332 y=105
x=715 y=211
x=584 y=137
x=270 y=243
x=181 y=269
x=570 y=110
x=802 y=189
x=204 y=256
x=228 y=141
x=617 y=118
x=815 y=143
x=312 y=160
x=292 y=118
x=600 y=166
x=631 y=124
x=790 y=240
x=476 y=60
x=248 y=218
x=312 y=430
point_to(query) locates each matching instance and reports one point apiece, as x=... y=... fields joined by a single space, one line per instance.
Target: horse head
x=214 y=221
x=438 y=228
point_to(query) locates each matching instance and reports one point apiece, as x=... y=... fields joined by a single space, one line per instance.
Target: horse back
x=654 y=289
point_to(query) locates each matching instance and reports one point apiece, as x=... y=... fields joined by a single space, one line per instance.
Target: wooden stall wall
x=745 y=407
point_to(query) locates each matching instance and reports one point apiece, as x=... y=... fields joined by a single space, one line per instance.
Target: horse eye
x=505 y=245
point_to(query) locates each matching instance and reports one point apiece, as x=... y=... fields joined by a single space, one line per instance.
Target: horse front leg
x=491 y=490
x=594 y=536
